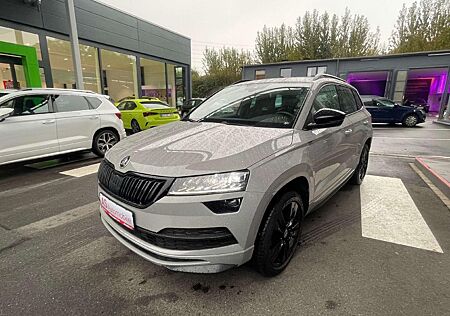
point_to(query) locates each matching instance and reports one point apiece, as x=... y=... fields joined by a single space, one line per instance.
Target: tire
x=361 y=170
x=135 y=128
x=104 y=141
x=279 y=234
x=410 y=120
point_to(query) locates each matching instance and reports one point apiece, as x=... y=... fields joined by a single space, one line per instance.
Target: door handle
x=348 y=131
x=48 y=122
x=94 y=117
x=366 y=122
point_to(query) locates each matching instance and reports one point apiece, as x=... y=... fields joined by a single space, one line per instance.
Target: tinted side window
x=28 y=105
x=346 y=100
x=327 y=98
x=122 y=106
x=358 y=99
x=94 y=102
x=130 y=105
x=69 y=103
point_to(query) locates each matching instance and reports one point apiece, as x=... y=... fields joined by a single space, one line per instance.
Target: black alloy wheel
x=279 y=236
x=135 y=128
x=361 y=169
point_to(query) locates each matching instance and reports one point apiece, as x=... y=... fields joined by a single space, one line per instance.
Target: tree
x=222 y=67
x=423 y=26
x=276 y=44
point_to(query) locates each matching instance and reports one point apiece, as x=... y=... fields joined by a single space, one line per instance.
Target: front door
x=31 y=131
x=329 y=151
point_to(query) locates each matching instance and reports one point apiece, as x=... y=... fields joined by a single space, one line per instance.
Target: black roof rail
x=320 y=76
x=239 y=81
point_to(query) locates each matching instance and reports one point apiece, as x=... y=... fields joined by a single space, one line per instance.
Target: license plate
x=117 y=212
x=166 y=115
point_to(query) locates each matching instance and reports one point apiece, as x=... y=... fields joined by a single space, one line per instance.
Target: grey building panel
x=346 y=65
x=15 y=11
x=102 y=24
x=106 y=12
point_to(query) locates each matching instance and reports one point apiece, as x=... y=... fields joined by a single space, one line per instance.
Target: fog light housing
x=224 y=206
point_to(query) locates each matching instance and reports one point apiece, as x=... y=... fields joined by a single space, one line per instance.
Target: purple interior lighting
x=438 y=78
x=372 y=83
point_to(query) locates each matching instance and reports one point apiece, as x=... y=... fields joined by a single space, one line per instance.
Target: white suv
x=36 y=123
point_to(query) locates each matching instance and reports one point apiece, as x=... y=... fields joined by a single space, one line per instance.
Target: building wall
x=395 y=65
x=115 y=42
x=99 y=23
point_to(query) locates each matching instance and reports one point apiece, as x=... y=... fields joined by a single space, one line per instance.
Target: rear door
x=353 y=136
x=31 y=131
x=76 y=121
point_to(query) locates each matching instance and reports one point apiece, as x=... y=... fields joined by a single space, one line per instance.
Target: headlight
x=215 y=183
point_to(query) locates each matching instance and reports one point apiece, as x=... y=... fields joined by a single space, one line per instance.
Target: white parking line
x=81 y=172
x=388 y=213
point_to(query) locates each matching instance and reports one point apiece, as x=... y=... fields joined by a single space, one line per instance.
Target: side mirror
x=327 y=118
x=5 y=112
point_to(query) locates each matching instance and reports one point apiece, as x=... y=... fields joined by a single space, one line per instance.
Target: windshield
x=254 y=104
x=153 y=105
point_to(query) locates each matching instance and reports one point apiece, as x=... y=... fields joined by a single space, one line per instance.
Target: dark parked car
x=387 y=111
x=420 y=103
x=190 y=104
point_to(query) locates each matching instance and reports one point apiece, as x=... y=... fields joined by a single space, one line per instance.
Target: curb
x=442 y=122
x=441 y=183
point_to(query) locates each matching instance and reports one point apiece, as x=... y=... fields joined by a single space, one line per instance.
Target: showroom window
x=180 y=85
x=90 y=68
x=285 y=72
x=22 y=38
x=260 y=74
x=153 y=79
x=171 y=87
x=70 y=103
x=61 y=62
x=119 y=74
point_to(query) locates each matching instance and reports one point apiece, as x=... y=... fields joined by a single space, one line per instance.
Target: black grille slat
x=132 y=188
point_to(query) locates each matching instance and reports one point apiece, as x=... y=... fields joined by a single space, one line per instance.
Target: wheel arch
x=105 y=128
x=299 y=184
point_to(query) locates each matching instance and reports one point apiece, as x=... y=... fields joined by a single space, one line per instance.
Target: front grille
x=135 y=189
x=187 y=238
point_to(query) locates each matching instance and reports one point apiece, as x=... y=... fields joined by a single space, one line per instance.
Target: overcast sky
x=235 y=22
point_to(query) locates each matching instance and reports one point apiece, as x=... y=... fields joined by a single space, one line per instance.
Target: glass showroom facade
x=108 y=70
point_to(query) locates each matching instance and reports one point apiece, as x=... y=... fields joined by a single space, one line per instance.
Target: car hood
x=192 y=148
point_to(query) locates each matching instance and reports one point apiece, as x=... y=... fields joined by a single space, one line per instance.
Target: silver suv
x=234 y=180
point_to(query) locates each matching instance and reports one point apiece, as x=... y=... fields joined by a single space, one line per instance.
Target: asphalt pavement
x=57 y=258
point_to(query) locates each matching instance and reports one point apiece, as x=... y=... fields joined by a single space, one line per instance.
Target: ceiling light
x=66 y=58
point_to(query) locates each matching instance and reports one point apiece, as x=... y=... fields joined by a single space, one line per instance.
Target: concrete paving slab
x=438 y=171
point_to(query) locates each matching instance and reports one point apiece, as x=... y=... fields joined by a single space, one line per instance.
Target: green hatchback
x=140 y=114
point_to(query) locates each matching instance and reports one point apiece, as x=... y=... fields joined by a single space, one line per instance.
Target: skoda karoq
x=234 y=179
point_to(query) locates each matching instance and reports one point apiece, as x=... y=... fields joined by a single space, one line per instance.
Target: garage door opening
x=426 y=87
x=370 y=82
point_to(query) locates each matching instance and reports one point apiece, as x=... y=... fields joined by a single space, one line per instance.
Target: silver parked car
x=234 y=180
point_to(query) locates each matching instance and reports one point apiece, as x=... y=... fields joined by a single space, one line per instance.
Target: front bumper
x=189 y=212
